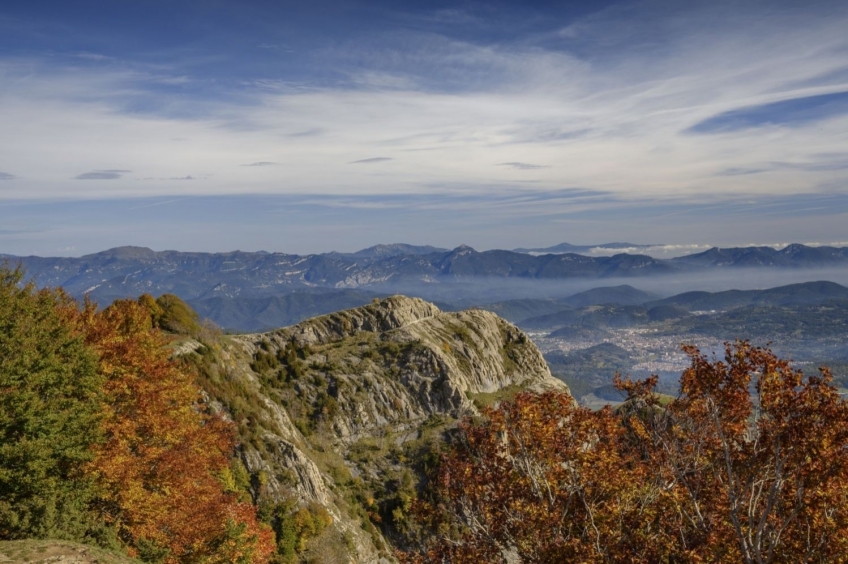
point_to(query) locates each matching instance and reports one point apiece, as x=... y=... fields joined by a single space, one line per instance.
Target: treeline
x=749 y=464
x=105 y=440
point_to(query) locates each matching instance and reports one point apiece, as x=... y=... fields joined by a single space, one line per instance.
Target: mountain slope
x=340 y=411
x=590 y=317
x=806 y=293
x=791 y=256
x=620 y=295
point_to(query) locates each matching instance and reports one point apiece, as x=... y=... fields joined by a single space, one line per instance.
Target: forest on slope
x=103 y=439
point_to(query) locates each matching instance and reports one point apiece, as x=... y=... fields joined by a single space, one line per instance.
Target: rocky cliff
x=340 y=414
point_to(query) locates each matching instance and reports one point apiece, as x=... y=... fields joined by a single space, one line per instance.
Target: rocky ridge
x=341 y=412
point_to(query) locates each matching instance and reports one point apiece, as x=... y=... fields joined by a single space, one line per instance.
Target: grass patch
x=484 y=400
x=36 y=551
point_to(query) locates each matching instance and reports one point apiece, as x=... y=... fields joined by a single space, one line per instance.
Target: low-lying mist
x=481 y=290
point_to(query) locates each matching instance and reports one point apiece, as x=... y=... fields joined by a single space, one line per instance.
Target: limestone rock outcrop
x=341 y=404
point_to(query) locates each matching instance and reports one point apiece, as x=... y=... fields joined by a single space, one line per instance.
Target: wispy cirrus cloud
x=791 y=112
x=641 y=101
x=371 y=160
x=523 y=166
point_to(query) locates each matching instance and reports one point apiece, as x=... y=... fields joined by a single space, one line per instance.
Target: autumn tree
x=50 y=392
x=538 y=480
x=756 y=455
x=748 y=464
x=164 y=456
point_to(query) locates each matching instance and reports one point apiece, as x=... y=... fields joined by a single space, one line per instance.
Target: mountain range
x=129 y=271
x=259 y=290
x=569 y=248
x=619 y=306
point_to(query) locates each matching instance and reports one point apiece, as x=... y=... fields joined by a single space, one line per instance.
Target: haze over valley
x=591 y=316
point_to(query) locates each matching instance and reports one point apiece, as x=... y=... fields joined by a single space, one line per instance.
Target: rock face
x=338 y=410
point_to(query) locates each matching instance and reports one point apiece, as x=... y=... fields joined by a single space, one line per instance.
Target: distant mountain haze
x=606 y=311
x=254 y=290
x=569 y=248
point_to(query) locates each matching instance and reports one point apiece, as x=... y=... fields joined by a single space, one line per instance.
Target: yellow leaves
x=638 y=429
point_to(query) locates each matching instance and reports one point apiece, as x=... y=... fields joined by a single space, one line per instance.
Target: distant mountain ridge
x=270 y=312
x=395 y=249
x=791 y=256
x=130 y=271
x=807 y=293
x=569 y=248
x=606 y=312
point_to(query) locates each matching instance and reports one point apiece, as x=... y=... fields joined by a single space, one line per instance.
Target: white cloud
x=608 y=121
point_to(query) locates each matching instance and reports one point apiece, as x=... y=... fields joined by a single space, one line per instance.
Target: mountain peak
x=126 y=252
x=387 y=314
x=393 y=249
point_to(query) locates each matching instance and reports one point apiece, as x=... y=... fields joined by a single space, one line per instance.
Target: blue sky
x=308 y=127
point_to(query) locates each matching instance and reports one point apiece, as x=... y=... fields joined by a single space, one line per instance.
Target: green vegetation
x=50 y=392
x=484 y=400
x=588 y=369
x=362 y=424
x=295 y=526
x=172 y=314
x=103 y=439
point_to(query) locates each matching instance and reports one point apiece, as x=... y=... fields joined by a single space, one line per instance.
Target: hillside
x=58 y=552
x=340 y=413
x=590 y=370
x=807 y=293
x=619 y=295
x=791 y=256
x=811 y=323
x=591 y=317
x=520 y=309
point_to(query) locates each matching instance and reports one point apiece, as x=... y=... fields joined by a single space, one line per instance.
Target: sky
x=302 y=127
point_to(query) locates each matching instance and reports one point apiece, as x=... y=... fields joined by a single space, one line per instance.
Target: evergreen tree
x=49 y=413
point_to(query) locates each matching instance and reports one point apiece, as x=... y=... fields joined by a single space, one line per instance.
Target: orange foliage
x=749 y=464
x=540 y=478
x=162 y=453
x=756 y=456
